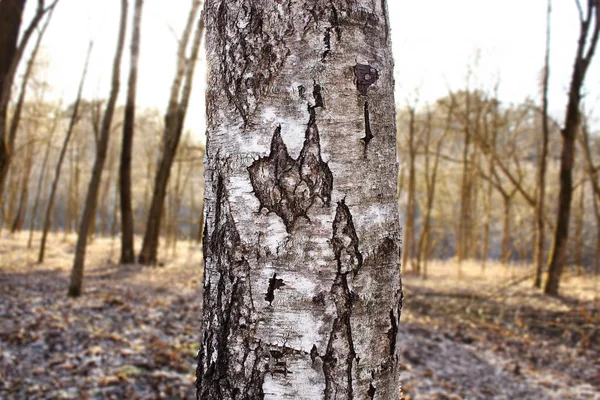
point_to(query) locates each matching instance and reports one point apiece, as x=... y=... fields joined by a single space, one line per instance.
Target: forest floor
x=134 y=333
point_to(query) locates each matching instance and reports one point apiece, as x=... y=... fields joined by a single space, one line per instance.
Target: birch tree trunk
x=302 y=290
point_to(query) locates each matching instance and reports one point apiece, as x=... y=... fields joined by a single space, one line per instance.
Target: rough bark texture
x=588 y=38
x=302 y=291
x=127 y=251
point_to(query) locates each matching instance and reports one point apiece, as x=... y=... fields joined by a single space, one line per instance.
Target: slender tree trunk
x=105 y=194
x=597 y=213
x=506 y=230
x=172 y=134
x=579 y=231
x=311 y=311
x=19 y=217
x=540 y=237
x=61 y=157
x=91 y=201
x=461 y=245
x=585 y=52
x=127 y=250
x=408 y=235
x=41 y=185
x=594 y=175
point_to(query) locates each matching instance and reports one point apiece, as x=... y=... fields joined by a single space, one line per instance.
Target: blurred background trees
x=480 y=176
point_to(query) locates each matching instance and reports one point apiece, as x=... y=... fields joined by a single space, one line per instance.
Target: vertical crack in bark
x=392 y=333
x=365 y=76
x=318 y=13
x=252 y=51
x=345 y=241
x=368 y=133
x=228 y=312
x=371 y=391
x=274 y=284
x=340 y=356
x=327 y=42
x=334 y=20
x=289 y=187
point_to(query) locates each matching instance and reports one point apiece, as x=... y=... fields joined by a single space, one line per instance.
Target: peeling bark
x=302 y=291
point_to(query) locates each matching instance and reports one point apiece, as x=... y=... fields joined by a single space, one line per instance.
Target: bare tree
x=588 y=38
x=174 y=119
x=89 y=212
x=41 y=184
x=408 y=233
x=127 y=250
x=61 y=157
x=538 y=257
x=11 y=52
x=593 y=171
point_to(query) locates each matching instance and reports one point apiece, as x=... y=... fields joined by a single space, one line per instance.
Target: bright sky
x=435 y=43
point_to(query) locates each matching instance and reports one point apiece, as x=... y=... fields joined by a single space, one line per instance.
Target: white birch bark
x=302 y=289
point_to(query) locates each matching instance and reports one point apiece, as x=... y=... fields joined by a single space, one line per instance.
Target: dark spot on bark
x=334 y=20
x=345 y=241
x=371 y=391
x=289 y=187
x=319 y=298
x=392 y=333
x=276 y=354
x=318 y=96
x=314 y=353
x=302 y=91
x=327 y=42
x=365 y=76
x=274 y=284
x=368 y=133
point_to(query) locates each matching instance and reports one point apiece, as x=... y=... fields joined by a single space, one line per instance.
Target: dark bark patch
x=338 y=361
x=318 y=96
x=334 y=20
x=393 y=333
x=371 y=391
x=274 y=284
x=345 y=241
x=302 y=92
x=290 y=187
x=327 y=42
x=228 y=312
x=247 y=65
x=368 y=132
x=340 y=356
x=365 y=76
x=314 y=353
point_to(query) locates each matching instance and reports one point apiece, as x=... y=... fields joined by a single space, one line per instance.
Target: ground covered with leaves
x=490 y=335
x=135 y=332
